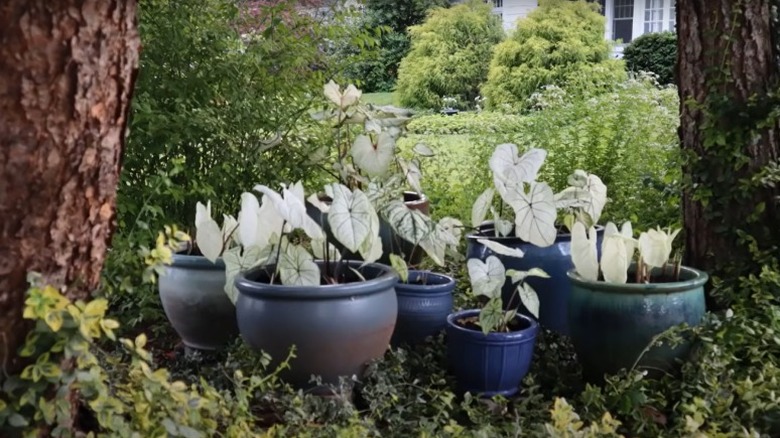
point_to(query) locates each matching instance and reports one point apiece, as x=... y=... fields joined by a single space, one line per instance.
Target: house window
x=654 y=16
x=672 y=13
x=623 y=20
x=498 y=3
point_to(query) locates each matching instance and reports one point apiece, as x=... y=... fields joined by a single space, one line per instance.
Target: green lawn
x=378 y=98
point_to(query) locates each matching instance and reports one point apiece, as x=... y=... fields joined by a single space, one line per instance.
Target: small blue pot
x=612 y=324
x=555 y=260
x=423 y=305
x=492 y=364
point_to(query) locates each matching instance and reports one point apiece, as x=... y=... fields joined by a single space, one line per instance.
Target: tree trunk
x=728 y=79
x=67 y=69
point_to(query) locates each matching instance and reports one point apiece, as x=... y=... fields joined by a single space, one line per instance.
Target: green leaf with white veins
x=374 y=159
x=486 y=277
x=350 y=216
x=399 y=266
x=491 y=316
x=535 y=215
x=297 y=268
x=411 y=225
x=411 y=170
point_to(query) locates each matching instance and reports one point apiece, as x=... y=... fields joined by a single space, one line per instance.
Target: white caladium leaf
x=318 y=249
x=297 y=216
x=345 y=99
x=315 y=200
x=435 y=248
x=202 y=212
x=249 y=221
x=578 y=179
x=350 y=216
x=411 y=170
x=269 y=225
x=487 y=277
x=209 y=238
x=237 y=261
x=598 y=197
x=373 y=158
x=450 y=230
x=529 y=298
x=423 y=150
x=614 y=259
x=584 y=253
x=270 y=195
x=411 y=225
x=297 y=268
x=371 y=249
x=535 y=215
x=230 y=229
x=627 y=231
x=501 y=249
x=513 y=169
x=610 y=229
x=372 y=125
x=481 y=207
x=503 y=227
x=655 y=247
x=518 y=276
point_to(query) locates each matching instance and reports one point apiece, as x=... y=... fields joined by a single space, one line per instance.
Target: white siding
x=514 y=10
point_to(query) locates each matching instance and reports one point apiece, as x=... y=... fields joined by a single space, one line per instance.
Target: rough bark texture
x=67 y=69
x=725 y=49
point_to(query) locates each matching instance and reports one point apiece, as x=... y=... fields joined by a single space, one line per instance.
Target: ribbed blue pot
x=336 y=328
x=492 y=364
x=423 y=305
x=612 y=324
x=192 y=291
x=555 y=260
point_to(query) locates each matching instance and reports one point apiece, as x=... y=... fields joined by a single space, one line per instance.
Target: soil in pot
x=472 y=323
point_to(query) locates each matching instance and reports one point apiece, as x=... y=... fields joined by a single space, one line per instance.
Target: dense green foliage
x=380 y=72
x=560 y=43
x=628 y=137
x=449 y=56
x=655 y=53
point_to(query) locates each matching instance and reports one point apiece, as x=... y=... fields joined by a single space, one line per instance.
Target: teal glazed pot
x=612 y=324
x=423 y=305
x=192 y=291
x=336 y=328
x=555 y=260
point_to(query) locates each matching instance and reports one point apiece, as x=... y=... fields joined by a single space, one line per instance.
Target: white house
x=626 y=19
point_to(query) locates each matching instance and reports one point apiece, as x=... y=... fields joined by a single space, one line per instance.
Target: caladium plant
x=618 y=251
x=536 y=207
x=275 y=230
x=488 y=278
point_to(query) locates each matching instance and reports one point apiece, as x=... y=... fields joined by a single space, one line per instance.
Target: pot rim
x=196 y=262
x=524 y=335
x=473 y=236
x=386 y=279
x=697 y=279
x=443 y=288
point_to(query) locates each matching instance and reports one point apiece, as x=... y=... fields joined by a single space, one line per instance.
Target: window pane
x=622 y=30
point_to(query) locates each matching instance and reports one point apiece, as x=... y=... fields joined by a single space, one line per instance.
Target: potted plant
x=191 y=289
x=292 y=288
x=489 y=351
x=617 y=310
x=534 y=221
x=363 y=154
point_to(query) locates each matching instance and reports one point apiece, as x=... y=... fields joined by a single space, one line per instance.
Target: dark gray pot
x=336 y=329
x=192 y=291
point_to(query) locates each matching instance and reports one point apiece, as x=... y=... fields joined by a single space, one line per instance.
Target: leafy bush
x=449 y=56
x=560 y=43
x=655 y=53
x=380 y=72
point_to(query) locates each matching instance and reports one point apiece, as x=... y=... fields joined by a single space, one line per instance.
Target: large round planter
x=423 y=305
x=612 y=324
x=555 y=260
x=492 y=364
x=192 y=291
x=391 y=242
x=336 y=329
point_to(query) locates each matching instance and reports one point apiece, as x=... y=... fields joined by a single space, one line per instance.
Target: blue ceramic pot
x=555 y=260
x=423 y=305
x=492 y=364
x=612 y=324
x=192 y=291
x=336 y=328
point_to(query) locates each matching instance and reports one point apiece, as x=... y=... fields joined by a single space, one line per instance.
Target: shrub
x=655 y=53
x=449 y=56
x=379 y=72
x=560 y=43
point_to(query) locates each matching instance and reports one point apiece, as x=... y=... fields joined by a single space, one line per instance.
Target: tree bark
x=728 y=79
x=67 y=69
